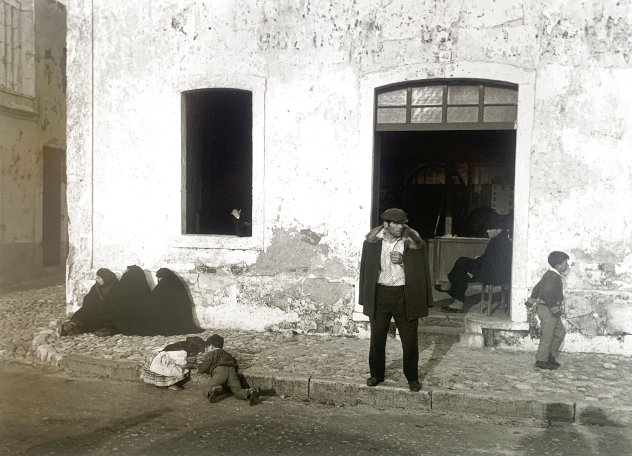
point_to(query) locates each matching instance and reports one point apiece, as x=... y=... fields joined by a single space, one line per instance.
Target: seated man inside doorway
x=493 y=267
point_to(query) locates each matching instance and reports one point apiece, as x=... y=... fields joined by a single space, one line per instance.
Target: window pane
x=429 y=95
x=463 y=95
x=391 y=115
x=499 y=114
x=394 y=98
x=499 y=95
x=425 y=115
x=463 y=114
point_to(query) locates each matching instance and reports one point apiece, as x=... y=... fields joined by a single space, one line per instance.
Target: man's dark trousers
x=390 y=303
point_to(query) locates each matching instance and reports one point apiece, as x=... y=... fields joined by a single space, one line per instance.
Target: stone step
x=441 y=334
x=443 y=320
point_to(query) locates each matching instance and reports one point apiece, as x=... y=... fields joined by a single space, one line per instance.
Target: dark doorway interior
x=218 y=155
x=54 y=160
x=445 y=175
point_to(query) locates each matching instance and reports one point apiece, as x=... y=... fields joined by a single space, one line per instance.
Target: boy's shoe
x=544 y=365
x=414 y=386
x=554 y=362
x=374 y=381
x=214 y=393
x=253 y=394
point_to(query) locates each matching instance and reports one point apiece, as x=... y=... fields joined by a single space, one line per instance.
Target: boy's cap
x=556 y=258
x=394 y=215
x=216 y=341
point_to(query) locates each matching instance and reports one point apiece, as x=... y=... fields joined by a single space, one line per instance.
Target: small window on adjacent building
x=17 y=52
x=217 y=172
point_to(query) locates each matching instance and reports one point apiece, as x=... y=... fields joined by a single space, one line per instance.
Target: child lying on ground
x=222 y=367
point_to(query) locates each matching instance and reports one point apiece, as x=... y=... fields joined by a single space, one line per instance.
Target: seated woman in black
x=172 y=305
x=89 y=317
x=127 y=308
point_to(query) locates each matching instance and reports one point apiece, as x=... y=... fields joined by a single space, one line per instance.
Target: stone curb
x=510 y=407
x=611 y=416
x=333 y=391
x=383 y=396
x=117 y=370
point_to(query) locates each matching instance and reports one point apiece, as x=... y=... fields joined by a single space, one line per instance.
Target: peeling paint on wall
x=314 y=57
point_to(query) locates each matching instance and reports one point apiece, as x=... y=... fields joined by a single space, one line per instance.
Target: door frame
x=525 y=80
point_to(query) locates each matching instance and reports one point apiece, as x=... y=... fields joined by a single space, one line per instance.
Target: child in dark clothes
x=549 y=297
x=222 y=367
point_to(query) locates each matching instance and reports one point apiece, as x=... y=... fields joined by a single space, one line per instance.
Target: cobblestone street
x=30 y=318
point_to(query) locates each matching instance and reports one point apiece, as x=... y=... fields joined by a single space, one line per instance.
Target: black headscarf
x=193 y=345
x=128 y=303
x=172 y=302
x=90 y=316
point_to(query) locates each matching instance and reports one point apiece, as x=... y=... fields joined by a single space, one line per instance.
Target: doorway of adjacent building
x=53 y=177
x=444 y=151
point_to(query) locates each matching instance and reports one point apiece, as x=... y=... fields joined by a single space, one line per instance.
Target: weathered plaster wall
x=25 y=129
x=581 y=168
x=311 y=64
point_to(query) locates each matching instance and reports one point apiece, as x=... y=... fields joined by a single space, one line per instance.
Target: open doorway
x=54 y=178
x=445 y=152
x=449 y=182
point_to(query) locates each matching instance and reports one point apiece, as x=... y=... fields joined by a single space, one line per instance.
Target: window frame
x=257 y=87
x=17 y=93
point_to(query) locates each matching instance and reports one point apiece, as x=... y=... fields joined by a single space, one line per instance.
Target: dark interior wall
x=404 y=155
x=219 y=159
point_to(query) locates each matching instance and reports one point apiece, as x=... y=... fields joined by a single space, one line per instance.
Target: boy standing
x=222 y=367
x=549 y=295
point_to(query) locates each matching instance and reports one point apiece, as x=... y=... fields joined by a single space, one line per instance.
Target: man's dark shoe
x=414 y=386
x=374 y=381
x=554 y=362
x=448 y=309
x=544 y=365
x=443 y=287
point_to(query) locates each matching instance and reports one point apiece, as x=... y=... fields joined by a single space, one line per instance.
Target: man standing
x=394 y=282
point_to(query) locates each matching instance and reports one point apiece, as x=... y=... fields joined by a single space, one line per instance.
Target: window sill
x=218 y=241
x=17 y=104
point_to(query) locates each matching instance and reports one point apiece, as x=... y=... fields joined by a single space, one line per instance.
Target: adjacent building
x=33 y=215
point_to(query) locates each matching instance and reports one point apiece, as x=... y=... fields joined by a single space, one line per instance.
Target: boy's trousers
x=227 y=375
x=553 y=333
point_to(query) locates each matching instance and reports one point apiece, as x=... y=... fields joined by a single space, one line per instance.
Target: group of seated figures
x=128 y=306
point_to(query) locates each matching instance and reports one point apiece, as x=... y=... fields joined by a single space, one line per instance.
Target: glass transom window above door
x=447 y=105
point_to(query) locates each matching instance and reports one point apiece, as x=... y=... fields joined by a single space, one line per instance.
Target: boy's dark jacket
x=549 y=289
x=417 y=290
x=217 y=357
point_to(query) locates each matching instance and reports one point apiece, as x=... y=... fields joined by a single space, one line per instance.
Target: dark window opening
x=218 y=160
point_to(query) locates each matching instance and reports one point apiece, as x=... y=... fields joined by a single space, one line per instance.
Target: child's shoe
x=214 y=393
x=544 y=365
x=253 y=395
x=554 y=362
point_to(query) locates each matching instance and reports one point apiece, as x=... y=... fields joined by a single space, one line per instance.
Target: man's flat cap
x=394 y=215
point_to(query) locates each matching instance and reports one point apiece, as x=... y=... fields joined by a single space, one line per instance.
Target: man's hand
x=397 y=258
x=236 y=213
